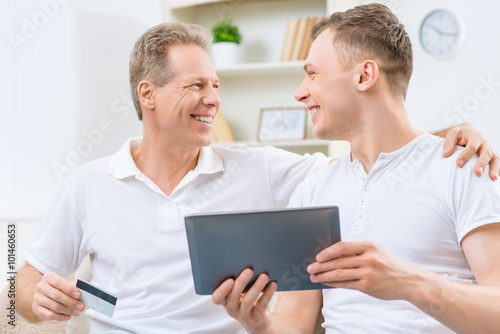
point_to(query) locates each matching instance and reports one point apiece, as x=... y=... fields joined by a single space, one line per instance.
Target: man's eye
x=197 y=85
x=216 y=86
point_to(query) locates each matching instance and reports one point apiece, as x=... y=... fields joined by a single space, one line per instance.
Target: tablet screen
x=281 y=243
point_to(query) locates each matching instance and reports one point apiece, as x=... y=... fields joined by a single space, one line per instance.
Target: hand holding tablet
x=280 y=243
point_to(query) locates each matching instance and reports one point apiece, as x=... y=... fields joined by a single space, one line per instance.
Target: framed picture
x=282 y=124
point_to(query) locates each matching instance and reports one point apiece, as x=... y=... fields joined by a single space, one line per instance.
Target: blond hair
x=149 y=58
x=372 y=31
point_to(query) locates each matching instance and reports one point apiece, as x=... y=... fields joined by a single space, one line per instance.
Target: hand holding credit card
x=96 y=298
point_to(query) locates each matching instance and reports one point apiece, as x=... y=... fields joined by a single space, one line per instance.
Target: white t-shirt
x=136 y=238
x=415 y=204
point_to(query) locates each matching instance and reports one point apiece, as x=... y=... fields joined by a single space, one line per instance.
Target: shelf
x=178 y=4
x=259 y=69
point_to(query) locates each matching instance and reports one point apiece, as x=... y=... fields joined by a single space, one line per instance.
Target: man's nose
x=302 y=93
x=212 y=98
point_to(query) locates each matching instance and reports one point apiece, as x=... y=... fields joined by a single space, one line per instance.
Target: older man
x=421 y=237
x=126 y=211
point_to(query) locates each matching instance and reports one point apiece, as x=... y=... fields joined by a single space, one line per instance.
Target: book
x=299 y=37
x=221 y=132
x=291 y=27
x=307 y=41
x=297 y=42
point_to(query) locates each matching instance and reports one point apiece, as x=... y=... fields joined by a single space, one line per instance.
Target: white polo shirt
x=415 y=204
x=136 y=238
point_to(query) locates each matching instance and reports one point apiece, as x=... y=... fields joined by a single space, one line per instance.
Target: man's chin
x=319 y=133
x=206 y=142
x=322 y=134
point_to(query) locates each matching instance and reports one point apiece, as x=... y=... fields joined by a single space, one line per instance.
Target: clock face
x=441 y=33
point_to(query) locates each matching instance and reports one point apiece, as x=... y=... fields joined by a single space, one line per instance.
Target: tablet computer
x=281 y=243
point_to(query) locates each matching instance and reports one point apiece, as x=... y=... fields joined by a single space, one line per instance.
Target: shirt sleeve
x=475 y=200
x=56 y=246
x=286 y=170
x=301 y=196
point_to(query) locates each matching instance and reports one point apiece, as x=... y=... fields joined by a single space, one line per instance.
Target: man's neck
x=164 y=163
x=385 y=128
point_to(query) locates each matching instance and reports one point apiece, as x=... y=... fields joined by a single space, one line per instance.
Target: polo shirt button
x=365 y=190
x=360 y=216
x=362 y=202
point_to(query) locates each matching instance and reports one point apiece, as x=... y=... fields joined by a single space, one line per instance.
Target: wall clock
x=442 y=33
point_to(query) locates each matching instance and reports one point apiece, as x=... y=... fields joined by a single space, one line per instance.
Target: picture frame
x=287 y=123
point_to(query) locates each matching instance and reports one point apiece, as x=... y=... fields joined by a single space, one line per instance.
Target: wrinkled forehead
x=191 y=61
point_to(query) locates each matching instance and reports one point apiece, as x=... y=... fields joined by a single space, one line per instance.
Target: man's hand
x=249 y=308
x=56 y=299
x=366 y=267
x=468 y=136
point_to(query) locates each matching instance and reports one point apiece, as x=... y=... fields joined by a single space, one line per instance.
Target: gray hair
x=149 y=59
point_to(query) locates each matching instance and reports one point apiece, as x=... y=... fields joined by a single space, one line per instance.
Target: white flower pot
x=224 y=53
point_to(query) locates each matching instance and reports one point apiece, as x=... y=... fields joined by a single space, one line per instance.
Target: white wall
x=440 y=88
x=66 y=80
x=39 y=109
x=64 y=68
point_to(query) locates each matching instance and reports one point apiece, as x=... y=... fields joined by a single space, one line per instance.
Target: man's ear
x=146 y=92
x=366 y=75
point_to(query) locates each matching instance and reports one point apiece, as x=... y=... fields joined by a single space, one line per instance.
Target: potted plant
x=226 y=39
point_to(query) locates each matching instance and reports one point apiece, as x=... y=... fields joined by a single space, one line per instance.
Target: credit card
x=96 y=298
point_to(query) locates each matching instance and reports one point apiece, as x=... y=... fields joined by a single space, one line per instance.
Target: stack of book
x=297 y=41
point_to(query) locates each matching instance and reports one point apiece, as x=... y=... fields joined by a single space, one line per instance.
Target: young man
x=421 y=238
x=126 y=211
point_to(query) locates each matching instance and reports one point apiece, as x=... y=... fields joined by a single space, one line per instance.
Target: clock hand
x=443 y=33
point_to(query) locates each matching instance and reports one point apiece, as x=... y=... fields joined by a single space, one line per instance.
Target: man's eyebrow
x=201 y=78
x=193 y=77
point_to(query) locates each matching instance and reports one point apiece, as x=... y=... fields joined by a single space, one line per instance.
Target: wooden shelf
x=178 y=4
x=261 y=69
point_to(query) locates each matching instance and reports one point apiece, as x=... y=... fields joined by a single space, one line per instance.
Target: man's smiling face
x=328 y=89
x=186 y=106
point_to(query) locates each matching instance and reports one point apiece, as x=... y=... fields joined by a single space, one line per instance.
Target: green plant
x=226 y=31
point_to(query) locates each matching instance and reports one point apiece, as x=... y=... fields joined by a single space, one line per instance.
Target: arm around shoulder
x=474 y=142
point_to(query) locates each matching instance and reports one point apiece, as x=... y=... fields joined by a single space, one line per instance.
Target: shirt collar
x=208 y=162
x=122 y=164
